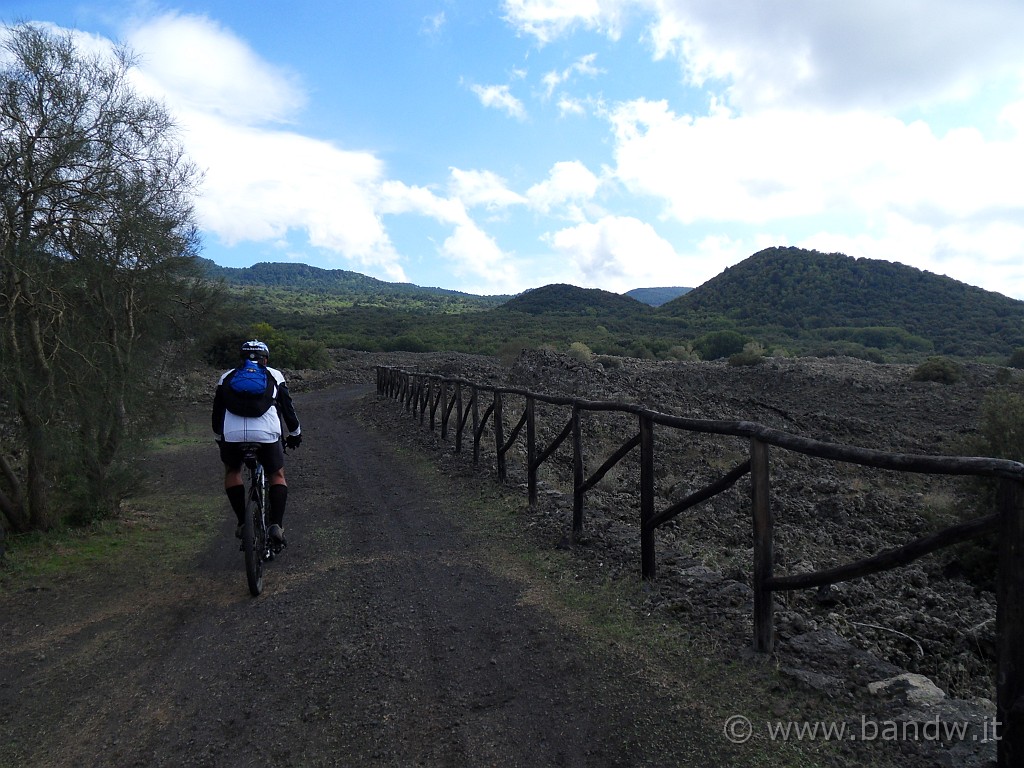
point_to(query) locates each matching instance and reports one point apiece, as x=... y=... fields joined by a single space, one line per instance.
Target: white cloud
x=869 y=184
x=781 y=165
x=569 y=183
x=484 y=188
x=198 y=65
x=769 y=53
x=477 y=255
x=619 y=253
x=500 y=97
x=261 y=185
x=870 y=54
x=582 y=66
x=473 y=254
x=549 y=19
x=432 y=25
x=569 y=106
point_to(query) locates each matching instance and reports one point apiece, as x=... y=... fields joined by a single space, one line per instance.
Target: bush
x=1017 y=358
x=286 y=351
x=752 y=354
x=940 y=369
x=581 y=352
x=1002 y=425
x=609 y=361
x=1000 y=435
x=681 y=352
x=719 y=344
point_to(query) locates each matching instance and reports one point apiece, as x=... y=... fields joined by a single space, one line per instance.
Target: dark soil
x=389 y=634
x=383 y=637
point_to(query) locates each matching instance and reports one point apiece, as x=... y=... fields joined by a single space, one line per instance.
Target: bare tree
x=96 y=239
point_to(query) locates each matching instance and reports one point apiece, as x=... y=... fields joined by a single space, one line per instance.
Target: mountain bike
x=256 y=543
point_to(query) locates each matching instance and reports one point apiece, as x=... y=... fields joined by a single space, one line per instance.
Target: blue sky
x=492 y=147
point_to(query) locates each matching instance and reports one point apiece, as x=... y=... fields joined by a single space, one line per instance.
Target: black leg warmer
x=236 y=495
x=278 y=499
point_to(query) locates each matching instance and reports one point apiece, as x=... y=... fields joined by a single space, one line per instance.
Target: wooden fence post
x=425 y=398
x=764 y=548
x=647 y=557
x=434 y=400
x=476 y=425
x=444 y=410
x=499 y=435
x=1010 y=626
x=578 y=474
x=531 y=450
x=458 y=417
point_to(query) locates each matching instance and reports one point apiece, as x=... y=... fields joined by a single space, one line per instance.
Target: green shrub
x=1002 y=425
x=641 y=351
x=1017 y=358
x=609 y=361
x=1000 y=435
x=752 y=354
x=580 y=351
x=286 y=351
x=940 y=369
x=719 y=344
x=681 y=352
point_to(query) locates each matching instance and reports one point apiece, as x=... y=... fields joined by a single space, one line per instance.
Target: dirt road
x=383 y=637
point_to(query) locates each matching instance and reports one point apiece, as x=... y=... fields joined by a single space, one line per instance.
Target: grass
x=158 y=530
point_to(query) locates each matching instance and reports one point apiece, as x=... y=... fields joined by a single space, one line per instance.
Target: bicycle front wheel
x=252 y=546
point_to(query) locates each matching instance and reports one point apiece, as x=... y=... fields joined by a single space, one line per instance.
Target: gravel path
x=383 y=637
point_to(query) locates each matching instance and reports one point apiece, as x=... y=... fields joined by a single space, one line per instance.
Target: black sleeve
x=287 y=409
x=218 y=411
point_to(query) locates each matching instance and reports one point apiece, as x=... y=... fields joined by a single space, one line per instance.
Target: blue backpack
x=249 y=390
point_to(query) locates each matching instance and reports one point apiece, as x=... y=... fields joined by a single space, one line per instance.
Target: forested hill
x=341 y=284
x=804 y=302
x=799 y=293
x=563 y=299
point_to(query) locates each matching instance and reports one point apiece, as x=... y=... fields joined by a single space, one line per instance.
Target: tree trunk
x=37 y=477
x=12 y=503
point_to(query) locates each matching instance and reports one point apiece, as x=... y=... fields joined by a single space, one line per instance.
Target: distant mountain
x=341 y=283
x=562 y=299
x=832 y=297
x=656 y=296
x=803 y=301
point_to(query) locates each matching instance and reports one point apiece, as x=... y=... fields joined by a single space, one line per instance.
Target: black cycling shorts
x=271 y=455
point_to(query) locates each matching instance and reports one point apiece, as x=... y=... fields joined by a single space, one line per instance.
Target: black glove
x=293 y=441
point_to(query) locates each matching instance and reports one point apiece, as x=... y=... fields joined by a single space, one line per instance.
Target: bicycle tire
x=252 y=547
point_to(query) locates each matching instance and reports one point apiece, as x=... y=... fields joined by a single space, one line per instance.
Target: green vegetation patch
x=158 y=530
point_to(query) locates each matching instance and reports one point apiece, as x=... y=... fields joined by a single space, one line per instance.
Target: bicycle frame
x=255 y=541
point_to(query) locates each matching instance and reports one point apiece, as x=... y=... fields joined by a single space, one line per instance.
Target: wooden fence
x=445 y=397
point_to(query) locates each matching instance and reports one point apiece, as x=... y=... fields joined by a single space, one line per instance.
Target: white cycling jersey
x=257 y=429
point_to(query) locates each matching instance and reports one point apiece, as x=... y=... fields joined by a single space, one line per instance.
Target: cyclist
x=255 y=416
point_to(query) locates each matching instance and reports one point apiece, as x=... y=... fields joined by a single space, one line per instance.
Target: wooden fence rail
x=420 y=391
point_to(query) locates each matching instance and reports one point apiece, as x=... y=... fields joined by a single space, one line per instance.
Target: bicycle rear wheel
x=252 y=546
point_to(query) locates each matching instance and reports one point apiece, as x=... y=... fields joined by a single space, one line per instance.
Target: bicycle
x=256 y=543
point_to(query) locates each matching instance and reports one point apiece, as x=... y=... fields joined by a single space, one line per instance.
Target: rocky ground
x=934 y=618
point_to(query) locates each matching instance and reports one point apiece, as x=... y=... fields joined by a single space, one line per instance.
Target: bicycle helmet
x=254 y=349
